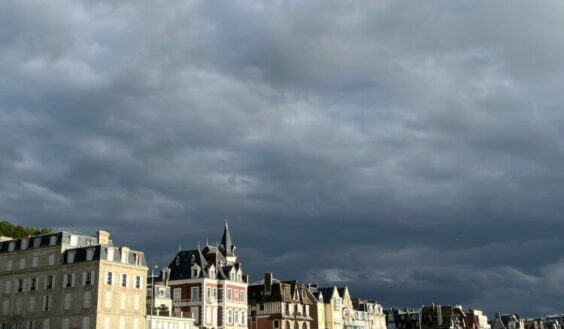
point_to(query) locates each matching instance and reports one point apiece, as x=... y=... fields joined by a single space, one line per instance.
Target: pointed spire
x=226 y=242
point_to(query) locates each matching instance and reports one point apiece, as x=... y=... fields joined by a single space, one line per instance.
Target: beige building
x=69 y=280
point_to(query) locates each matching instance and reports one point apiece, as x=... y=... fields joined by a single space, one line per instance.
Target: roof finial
x=226 y=222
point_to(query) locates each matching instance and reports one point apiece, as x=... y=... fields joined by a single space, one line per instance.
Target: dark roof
x=44 y=240
x=280 y=292
x=327 y=293
x=101 y=253
x=227 y=247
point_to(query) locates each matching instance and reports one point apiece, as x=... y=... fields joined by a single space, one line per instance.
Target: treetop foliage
x=18 y=231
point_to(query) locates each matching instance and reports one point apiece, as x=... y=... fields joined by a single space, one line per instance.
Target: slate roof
x=101 y=253
x=327 y=293
x=63 y=237
x=281 y=292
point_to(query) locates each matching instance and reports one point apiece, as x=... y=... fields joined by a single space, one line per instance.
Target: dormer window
x=89 y=254
x=70 y=257
x=111 y=254
x=24 y=244
x=124 y=257
x=52 y=240
x=137 y=259
x=36 y=242
x=11 y=246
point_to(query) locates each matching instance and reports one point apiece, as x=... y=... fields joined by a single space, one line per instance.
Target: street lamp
x=152 y=294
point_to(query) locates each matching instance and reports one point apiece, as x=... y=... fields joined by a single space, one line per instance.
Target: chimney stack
x=267 y=283
x=103 y=237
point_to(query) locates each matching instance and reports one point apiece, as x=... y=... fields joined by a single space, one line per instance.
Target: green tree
x=17 y=231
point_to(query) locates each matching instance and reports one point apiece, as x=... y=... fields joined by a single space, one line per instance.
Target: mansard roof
x=181 y=265
x=101 y=253
x=280 y=292
x=49 y=240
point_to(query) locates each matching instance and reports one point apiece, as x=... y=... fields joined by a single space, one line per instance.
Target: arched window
x=275 y=324
x=296 y=325
x=287 y=324
x=304 y=325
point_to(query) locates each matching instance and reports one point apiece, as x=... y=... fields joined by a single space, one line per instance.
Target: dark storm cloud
x=411 y=150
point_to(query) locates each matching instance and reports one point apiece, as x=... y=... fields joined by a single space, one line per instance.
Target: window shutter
x=92 y=277
x=65 y=277
x=83 y=278
x=106 y=277
x=54 y=280
x=44 y=303
x=114 y=278
x=72 y=280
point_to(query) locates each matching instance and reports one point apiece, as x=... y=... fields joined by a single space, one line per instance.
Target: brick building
x=210 y=284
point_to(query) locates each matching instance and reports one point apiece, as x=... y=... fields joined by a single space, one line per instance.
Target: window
x=52 y=240
x=46 y=324
x=49 y=282
x=67 y=303
x=22 y=263
x=208 y=293
x=230 y=317
x=243 y=318
x=8 y=286
x=36 y=242
x=74 y=240
x=24 y=244
x=195 y=293
x=136 y=302
x=87 y=297
x=106 y=322
x=33 y=284
x=242 y=296
x=275 y=324
x=122 y=301
x=5 y=307
x=34 y=261
x=261 y=306
x=236 y=294
x=236 y=318
x=19 y=285
x=296 y=325
x=304 y=325
x=135 y=323
x=87 y=277
x=31 y=324
x=124 y=257
x=121 y=323
x=11 y=246
x=70 y=257
x=18 y=305
x=89 y=254
x=68 y=280
x=85 y=322
x=31 y=303
x=110 y=254
x=138 y=282
x=239 y=277
x=176 y=294
x=46 y=303
x=66 y=323
x=9 y=265
x=109 y=280
x=137 y=259
x=229 y=294
x=123 y=280
x=215 y=292
x=51 y=259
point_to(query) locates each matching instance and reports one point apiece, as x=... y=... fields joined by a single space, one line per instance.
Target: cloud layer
x=412 y=150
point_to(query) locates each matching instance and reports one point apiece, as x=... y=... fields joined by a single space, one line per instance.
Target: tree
x=18 y=231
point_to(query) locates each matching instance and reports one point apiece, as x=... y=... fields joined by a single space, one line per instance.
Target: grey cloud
x=412 y=150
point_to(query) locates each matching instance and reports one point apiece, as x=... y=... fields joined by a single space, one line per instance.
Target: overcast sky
x=413 y=150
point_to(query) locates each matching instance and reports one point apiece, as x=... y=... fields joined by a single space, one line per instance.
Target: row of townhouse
x=275 y=304
x=437 y=316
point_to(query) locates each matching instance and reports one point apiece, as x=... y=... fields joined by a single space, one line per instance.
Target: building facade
x=278 y=305
x=210 y=285
x=69 y=280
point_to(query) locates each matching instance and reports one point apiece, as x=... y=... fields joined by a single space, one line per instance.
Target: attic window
x=89 y=254
x=36 y=243
x=24 y=244
x=52 y=240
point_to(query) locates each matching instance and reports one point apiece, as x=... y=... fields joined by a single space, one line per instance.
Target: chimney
x=246 y=278
x=103 y=237
x=267 y=283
